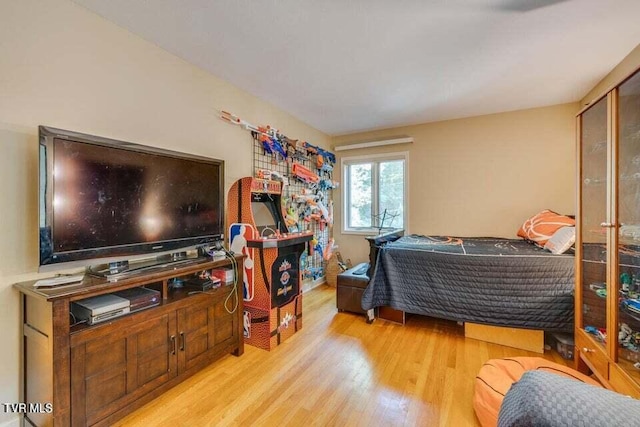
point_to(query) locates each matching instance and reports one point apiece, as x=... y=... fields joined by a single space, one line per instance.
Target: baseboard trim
x=307 y=285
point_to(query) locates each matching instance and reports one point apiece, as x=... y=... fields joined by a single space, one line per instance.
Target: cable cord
x=233 y=295
x=76 y=321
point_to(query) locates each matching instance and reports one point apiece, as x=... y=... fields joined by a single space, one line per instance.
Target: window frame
x=346 y=162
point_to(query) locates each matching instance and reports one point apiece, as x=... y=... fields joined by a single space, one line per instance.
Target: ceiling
x=353 y=65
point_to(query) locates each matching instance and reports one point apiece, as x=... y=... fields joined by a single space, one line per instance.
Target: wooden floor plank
x=338 y=370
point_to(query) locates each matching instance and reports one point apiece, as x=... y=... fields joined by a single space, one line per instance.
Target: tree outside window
x=375 y=193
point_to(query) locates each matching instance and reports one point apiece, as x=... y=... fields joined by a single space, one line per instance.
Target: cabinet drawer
x=593 y=354
x=622 y=383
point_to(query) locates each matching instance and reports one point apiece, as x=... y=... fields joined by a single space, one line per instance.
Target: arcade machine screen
x=266 y=213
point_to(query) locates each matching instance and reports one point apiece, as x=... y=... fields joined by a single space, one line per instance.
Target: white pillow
x=561 y=240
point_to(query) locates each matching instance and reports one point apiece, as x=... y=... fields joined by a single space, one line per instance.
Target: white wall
x=620 y=72
x=479 y=176
x=63 y=66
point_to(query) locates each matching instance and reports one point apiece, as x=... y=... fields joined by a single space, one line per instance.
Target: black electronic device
x=103 y=200
x=140 y=298
x=202 y=284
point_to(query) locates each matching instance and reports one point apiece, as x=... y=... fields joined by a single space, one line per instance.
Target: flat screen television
x=103 y=200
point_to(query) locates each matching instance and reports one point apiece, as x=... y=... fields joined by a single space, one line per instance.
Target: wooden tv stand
x=94 y=375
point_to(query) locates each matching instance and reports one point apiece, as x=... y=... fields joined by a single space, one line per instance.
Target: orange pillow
x=540 y=227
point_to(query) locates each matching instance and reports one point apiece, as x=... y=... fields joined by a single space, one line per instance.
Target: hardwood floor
x=337 y=370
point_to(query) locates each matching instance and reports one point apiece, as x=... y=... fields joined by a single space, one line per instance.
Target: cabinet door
x=116 y=367
x=594 y=179
x=226 y=330
x=204 y=329
x=628 y=245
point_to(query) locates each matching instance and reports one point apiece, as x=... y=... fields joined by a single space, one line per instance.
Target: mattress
x=502 y=282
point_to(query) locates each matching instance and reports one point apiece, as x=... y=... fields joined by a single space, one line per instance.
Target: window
x=375 y=192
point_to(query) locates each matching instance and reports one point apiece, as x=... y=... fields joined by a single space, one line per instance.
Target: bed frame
x=375 y=243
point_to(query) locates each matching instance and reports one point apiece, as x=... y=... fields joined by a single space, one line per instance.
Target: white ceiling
x=352 y=65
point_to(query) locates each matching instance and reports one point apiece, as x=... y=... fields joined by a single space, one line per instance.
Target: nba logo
x=246 y=324
x=238 y=236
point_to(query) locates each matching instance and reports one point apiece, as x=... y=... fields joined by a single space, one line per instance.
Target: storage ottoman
x=350 y=287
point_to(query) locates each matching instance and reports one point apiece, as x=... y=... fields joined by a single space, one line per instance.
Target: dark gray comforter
x=491 y=281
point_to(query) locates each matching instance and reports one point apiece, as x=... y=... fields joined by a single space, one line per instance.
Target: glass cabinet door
x=594 y=183
x=628 y=207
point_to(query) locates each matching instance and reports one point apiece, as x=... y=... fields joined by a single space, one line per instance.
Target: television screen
x=101 y=198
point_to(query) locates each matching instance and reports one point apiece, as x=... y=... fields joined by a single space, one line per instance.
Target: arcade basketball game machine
x=272 y=277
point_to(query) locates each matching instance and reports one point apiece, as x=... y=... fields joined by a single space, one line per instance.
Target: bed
x=491 y=281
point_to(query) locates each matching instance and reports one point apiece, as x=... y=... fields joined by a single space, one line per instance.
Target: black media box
x=140 y=298
x=198 y=284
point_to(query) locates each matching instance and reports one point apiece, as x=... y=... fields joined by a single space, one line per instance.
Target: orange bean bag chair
x=497 y=375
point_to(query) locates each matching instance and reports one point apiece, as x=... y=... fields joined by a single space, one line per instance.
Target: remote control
x=60 y=280
x=362 y=270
